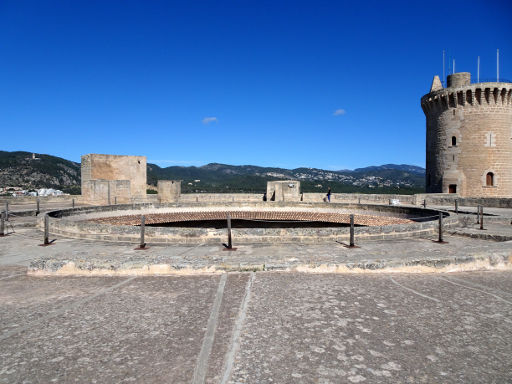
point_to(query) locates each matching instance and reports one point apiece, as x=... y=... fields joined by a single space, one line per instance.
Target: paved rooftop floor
x=256 y=328
x=71 y=256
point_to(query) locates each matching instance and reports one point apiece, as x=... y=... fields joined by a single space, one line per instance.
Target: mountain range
x=24 y=169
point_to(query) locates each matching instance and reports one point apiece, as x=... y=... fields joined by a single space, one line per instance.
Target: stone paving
x=72 y=256
x=256 y=328
x=276 y=325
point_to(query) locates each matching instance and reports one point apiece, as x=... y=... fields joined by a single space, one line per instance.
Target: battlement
x=469 y=146
x=497 y=94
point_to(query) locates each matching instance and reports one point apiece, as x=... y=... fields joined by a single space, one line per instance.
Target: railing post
x=73 y=203
x=440 y=230
x=142 y=230
x=46 y=229
x=38 y=206
x=481 y=217
x=115 y=200
x=424 y=203
x=457 y=206
x=6 y=211
x=478 y=214
x=2 y=225
x=230 y=244
x=352 y=243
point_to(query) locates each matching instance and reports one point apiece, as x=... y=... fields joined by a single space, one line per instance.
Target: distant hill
x=20 y=169
x=216 y=177
x=396 y=167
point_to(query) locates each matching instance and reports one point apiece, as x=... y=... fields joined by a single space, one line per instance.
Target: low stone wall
x=85 y=229
x=220 y=197
x=356 y=197
x=43 y=199
x=215 y=198
x=449 y=199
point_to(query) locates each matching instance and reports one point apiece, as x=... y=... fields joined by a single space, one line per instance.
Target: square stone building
x=109 y=178
x=283 y=190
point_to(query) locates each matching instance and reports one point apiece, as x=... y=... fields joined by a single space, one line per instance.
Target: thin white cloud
x=208 y=120
x=339 y=112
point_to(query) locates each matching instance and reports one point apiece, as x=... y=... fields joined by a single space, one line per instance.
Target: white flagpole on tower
x=444 y=75
x=498 y=65
x=478 y=71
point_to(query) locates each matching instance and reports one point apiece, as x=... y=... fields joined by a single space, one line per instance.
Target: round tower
x=469 y=137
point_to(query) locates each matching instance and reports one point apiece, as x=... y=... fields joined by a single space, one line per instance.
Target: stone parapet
x=73 y=223
x=169 y=191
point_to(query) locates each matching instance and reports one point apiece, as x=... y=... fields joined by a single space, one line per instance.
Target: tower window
x=489 y=179
x=490 y=139
x=454 y=141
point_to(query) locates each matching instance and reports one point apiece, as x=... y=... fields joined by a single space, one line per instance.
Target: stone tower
x=469 y=137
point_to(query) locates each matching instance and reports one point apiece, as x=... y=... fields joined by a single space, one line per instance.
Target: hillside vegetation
x=21 y=170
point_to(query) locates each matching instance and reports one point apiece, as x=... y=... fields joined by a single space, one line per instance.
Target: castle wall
x=469 y=135
x=114 y=168
x=102 y=192
x=169 y=191
x=243 y=198
x=288 y=190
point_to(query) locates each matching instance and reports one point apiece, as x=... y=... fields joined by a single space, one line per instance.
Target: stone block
x=96 y=167
x=169 y=191
x=102 y=192
x=287 y=190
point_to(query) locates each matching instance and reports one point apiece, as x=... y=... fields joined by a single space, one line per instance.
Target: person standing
x=329 y=194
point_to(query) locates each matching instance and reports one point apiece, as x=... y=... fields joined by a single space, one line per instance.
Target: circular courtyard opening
x=251 y=223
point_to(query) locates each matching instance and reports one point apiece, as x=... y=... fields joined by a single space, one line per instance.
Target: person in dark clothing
x=265 y=196
x=329 y=194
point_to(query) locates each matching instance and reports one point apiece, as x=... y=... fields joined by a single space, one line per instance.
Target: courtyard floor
x=276 y=325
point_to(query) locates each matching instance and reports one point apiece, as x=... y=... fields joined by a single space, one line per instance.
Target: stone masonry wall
x=469 y=134
x=115 y=167
x=100 y=192
x=285 y=190
x=439 y=199
x=169 y=191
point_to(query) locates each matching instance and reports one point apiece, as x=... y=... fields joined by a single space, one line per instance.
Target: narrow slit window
x=489 y=179
x=454 y=141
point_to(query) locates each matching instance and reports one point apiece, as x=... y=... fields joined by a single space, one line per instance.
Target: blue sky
x=320 y=84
